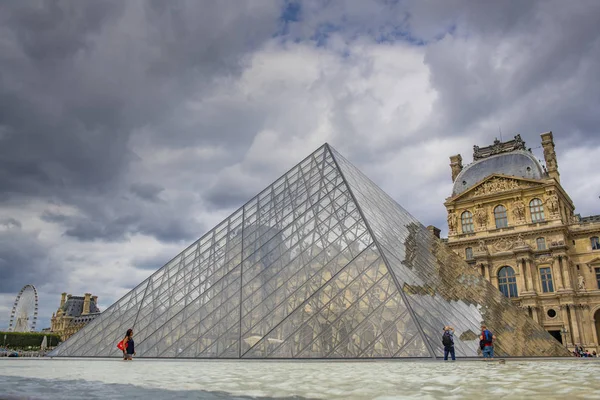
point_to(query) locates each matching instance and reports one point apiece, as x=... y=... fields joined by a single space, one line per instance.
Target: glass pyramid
x=320 y=264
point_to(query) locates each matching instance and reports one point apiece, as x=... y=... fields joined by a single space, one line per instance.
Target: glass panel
x=541 y=243
x=546 y=277
x=500 y=216
x=536 y=209
x=469 y=253
x=467 y=222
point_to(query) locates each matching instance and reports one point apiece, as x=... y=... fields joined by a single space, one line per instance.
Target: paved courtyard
x=148 y=379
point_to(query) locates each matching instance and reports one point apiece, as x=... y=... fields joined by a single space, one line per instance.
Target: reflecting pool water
x=149 y=379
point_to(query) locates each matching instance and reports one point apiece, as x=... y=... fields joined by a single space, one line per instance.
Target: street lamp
x=564 y=332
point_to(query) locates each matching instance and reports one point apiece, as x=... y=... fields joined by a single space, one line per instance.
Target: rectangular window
x=541 y=243
x=500 y=217
x=595 y=243
x=546 y=276
x=469 y=253
x=467 y=222
x=598 y=277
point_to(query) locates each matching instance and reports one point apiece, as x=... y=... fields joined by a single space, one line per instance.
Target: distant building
x=74 y=313
x=510 y=218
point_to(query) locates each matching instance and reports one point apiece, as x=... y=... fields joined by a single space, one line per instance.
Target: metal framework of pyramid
x=320 y=264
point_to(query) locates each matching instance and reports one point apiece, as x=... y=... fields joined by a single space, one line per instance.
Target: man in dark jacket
x=448 y=342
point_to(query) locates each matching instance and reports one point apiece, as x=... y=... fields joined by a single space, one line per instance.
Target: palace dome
x=520 y=163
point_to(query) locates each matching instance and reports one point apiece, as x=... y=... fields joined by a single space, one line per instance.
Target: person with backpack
x=448 y=342
x=487 y=343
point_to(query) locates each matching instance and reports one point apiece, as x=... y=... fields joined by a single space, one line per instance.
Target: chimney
x=434 y=230
x=550 y=156
x=86 y=304
x=63 y=299
x=456 y=165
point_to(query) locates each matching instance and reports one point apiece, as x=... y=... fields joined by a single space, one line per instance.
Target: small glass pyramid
x=320 y=264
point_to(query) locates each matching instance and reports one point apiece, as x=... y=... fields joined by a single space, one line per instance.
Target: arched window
x=536 y=208
x=500 y=216
x=507 y=282
x=469 y=253
x=541 y=243
x=466 y=220
x=595 y=242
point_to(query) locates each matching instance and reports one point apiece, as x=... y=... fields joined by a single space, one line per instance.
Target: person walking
x=487 y=343
x=128 y=345
x=448 y=342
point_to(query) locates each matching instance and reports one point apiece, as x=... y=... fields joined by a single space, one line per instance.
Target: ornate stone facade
x=533 y=248
x=74 y=313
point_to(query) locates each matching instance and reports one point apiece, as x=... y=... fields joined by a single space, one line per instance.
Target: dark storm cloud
x=540 y=62
x=78 y=78
x=164 y=226
x=10 y=223
x=23 y=260
x=147 y=191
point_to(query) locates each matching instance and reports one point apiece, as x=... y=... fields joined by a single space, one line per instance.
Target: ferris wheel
x=25 y=310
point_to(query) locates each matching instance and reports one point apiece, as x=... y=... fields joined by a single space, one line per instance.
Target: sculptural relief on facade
x=518 y=210
x=482 y=248
x=580 y=281
x=502 y=244
x=520 y=242
x=552 y=204
x=497 y=185
x=544 y=259
x=452 y=220
x=481 y=216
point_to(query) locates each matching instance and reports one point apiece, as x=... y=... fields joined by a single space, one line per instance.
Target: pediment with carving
x=497 y=184
x=594 y=261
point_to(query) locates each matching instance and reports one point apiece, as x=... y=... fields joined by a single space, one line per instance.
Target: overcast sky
x=129 y=129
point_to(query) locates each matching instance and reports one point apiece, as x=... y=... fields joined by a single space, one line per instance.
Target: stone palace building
x=511 y=219
x=74 y=313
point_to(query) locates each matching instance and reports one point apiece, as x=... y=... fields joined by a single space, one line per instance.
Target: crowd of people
x=581 y=352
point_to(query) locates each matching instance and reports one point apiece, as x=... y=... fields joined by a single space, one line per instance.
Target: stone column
x=565 y=318
x=493 y=277
x=594 y=331
x=566 y=272
x=586 y=320
x=533 y=272
x=520 y=276
x=534 y=314
x=527 y=275
x=556 y=274
x=574 y=323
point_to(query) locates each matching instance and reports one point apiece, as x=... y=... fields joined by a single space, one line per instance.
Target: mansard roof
x=517 y=163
